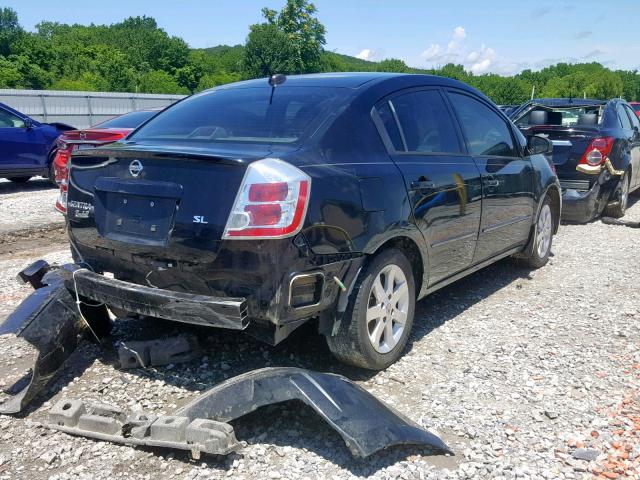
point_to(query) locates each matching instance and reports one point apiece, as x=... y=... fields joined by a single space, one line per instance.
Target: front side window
x=485 y=131
x=425 y=122
x=9 y=120
x=247 y=115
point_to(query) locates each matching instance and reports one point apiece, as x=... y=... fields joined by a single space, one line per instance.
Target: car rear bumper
x=579 y=205
x=205 y=310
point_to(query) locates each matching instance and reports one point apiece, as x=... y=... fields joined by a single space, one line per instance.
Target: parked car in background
x=27 y=147
x=100 y=134
x=596 y=151
x=345 y=198
x=636 y=107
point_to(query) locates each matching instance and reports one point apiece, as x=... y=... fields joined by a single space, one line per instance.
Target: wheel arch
x=410 y=248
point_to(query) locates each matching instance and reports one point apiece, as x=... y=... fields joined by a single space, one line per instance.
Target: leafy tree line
x=136 y=55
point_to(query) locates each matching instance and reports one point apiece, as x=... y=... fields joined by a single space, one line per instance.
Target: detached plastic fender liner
x=47 y=319
x=366 y=424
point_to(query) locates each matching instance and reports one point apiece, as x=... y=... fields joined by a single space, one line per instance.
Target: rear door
x=442 y=180
x=507 y=176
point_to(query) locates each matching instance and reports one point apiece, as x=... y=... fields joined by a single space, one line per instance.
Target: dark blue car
x=27 y=147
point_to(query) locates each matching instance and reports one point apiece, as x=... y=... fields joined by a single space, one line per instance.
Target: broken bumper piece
x=113 y=425
x=366 y=424
x=155 y=302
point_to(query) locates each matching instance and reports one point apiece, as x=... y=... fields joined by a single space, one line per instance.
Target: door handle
x=490 y=182
x=422 y=185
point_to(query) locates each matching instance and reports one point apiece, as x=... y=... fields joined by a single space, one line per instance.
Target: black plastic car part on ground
x=596 y=151
x=366 y=424
x=50 y=322
x=282 y=198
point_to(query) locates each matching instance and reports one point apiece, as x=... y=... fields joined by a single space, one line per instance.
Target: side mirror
x=28 y=123
x=539 y=145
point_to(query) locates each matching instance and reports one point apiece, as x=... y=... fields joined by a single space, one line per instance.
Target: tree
x=290 y=41
x=392 y=65
x=10 y=30
x=268 y=51
x=157 y=81
x=189 y=76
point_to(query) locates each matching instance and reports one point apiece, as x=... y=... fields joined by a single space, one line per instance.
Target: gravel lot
x=27 y=206
x=524 y=374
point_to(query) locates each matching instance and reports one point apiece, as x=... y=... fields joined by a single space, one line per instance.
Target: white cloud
x=365 y=54
x=432 y=52
x=371 y=54
x=458 y=35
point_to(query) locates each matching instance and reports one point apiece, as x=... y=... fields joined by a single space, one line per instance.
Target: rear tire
x=621 y=195
x=19 y=179
x=52 y=174
x=379 y=316
x=542 y=238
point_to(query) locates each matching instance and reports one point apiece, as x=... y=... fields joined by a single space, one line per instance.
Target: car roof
x=353 y=80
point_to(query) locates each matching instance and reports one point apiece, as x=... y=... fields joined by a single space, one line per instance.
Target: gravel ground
x=27 y=206
x=524 y=374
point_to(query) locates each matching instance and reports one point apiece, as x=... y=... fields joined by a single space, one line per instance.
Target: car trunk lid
x=151 y=196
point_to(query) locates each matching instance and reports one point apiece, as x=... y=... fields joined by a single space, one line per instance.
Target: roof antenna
x=274 y=81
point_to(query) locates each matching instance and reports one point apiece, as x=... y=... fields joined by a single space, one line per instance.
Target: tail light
x=271 y=202
x=61 y=169
x=598 y=151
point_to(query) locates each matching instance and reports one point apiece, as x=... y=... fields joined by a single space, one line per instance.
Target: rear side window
x=485 y=131
x=624 y=118
x=391 y=127
x=426 y=123
x=245 y=115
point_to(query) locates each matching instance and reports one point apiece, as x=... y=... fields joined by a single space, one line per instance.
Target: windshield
x=562 y=116
x=128 y=120
x=245 y=115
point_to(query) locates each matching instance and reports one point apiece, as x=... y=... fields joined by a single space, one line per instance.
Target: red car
x=636 y=107
x=106 y=132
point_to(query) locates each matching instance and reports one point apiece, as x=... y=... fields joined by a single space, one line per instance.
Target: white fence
x=80 y=109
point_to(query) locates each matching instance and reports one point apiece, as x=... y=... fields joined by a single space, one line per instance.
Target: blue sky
x=502 y=36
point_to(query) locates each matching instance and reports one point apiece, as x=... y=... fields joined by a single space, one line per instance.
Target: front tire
x=378 y=319
x=542 y=238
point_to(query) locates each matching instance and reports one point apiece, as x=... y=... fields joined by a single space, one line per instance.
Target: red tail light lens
x=271 y=202
x=268 y=192
x=597 y=151
x=61 y=169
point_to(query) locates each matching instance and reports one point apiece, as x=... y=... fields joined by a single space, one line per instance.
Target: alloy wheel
x=543 y=233
x=387 y=308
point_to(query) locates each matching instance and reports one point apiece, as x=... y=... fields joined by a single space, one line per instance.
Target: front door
x=442 y=180
x=20 y=147
x=507 y=176
x=635 y=147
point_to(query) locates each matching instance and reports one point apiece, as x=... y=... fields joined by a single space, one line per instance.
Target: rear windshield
x=245 y=115
x=128 y=120
x=564 y=116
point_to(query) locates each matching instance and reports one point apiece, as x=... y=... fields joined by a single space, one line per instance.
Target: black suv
x=340 y=197
x=596 y=149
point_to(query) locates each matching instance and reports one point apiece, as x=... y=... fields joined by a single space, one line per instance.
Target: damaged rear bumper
x=155 y=302
x=366 y=424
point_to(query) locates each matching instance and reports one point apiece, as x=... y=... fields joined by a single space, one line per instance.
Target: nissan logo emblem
x=135 y=168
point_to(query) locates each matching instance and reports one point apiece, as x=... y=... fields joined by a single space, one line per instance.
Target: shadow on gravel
x=33 y=185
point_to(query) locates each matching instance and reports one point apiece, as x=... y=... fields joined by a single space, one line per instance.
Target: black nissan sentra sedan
x=345 y=198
